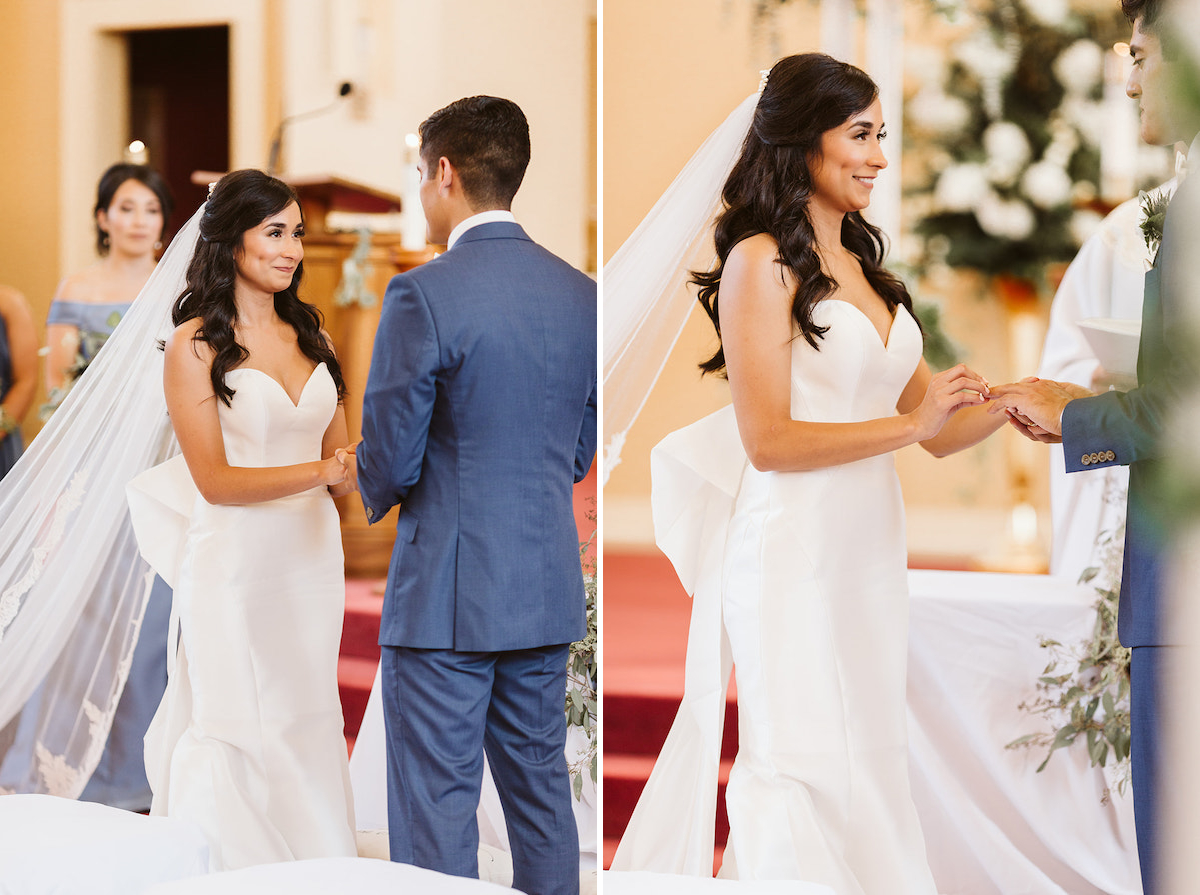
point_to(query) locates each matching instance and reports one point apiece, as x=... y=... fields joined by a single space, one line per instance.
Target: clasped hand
x=340 y=472
x=1035 y=406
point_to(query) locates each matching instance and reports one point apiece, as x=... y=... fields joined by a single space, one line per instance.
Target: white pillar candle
x=412 y=232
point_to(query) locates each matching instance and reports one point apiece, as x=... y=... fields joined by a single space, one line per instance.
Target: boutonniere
x=1154 y=212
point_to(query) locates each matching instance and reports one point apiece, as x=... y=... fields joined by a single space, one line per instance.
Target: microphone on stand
x=344 y=90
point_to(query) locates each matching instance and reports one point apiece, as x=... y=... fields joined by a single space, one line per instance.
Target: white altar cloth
x=54 y=845
x=992 y=825
x=330 y=876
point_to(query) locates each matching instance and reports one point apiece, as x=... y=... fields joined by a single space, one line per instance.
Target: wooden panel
x=352 y=328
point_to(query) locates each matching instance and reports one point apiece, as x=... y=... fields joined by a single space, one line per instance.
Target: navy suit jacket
x=479 y=416
x=1126 y=428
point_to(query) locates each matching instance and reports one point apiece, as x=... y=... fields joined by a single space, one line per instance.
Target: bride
x=248 y=739
x=784 y=514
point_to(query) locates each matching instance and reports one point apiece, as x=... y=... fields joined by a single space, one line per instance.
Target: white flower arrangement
x=936 y=112
x=960 y=188
x=1005 y=218
x=1084 y=223
x=1031 y=75
x=1007 y=150
x=984 y=57
x=1046 y=184
x=1080 y=67
x=1048 y=12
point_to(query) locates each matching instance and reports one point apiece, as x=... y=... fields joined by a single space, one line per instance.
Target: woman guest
x=133 y=205
x=808 y=564
x=18 y=373
x=248 y=742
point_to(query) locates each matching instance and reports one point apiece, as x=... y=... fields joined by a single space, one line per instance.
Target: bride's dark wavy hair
x=770 y=186
x=240 y=201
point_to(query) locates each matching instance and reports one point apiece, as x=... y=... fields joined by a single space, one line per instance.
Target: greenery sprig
x=1154 y=213
x=1083 y=691
x=581 y=704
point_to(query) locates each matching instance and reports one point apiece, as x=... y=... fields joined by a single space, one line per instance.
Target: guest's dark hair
x=770 y=186
x=110 y=182
x=240 y=201
x=1149 y=11
x=486 y=139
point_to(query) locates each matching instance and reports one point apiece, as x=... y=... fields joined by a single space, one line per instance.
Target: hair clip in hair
x=762 y=81
x=212 y=186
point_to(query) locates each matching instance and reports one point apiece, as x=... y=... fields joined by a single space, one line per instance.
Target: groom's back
x=512 y=428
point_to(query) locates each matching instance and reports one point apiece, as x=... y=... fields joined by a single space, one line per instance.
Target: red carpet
x=360 y=627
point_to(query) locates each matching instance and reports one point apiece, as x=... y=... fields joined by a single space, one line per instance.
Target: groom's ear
x=447 y=177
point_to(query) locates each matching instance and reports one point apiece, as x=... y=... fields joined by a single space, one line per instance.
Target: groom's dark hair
x=1146 y=10
x=486 y=139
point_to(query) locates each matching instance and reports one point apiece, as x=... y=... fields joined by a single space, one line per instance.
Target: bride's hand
x=948 y=392
x=350 y=460
x=332 y=470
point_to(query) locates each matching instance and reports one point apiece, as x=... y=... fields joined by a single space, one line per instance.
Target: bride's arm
x=756 y=331
x=967 y=427
x=193 y=409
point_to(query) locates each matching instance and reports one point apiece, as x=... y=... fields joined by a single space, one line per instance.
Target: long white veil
x=73 y=586
x=646 y=296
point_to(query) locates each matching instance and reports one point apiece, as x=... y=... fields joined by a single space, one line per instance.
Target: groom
x=479 y=416
x=1126 y=427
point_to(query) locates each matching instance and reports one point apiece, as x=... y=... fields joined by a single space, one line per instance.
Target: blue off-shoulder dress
x=11 y=445
x=120 y=777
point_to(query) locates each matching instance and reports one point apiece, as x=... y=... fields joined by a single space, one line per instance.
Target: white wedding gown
x=248 y=740
x=799 y=578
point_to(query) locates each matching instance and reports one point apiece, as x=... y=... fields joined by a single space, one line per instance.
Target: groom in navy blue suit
x=479 y=416
x=1126 y=428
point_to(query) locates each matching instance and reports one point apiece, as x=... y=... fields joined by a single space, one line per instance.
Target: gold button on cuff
x=1110 y=456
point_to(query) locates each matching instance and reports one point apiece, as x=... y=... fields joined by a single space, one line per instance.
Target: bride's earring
x=157 y=245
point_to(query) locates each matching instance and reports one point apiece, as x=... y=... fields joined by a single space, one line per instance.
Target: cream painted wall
x=411 y=57
x=93 y=107
x=29 y=154
x=672 y=71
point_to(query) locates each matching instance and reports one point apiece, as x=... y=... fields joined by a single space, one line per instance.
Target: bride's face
x=850 y=157
x=270 y=253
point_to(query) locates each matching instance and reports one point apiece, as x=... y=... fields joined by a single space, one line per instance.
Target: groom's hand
x=350 y=461
x=1035 y=406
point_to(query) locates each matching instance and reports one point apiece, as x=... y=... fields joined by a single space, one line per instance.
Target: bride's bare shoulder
x=183 y=342
x=753 y=267
x=761 y=248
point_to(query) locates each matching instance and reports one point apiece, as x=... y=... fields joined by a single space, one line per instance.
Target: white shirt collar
x=484 y=217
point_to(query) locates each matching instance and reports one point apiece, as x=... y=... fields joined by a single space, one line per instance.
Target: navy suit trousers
x=1148 y=668
x=443 y=709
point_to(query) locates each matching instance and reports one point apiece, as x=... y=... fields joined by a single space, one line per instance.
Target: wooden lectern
x=351 y=326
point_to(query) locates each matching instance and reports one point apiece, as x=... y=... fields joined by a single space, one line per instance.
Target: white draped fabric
x=993 y=826
x=330 y=876
x=61 y=846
